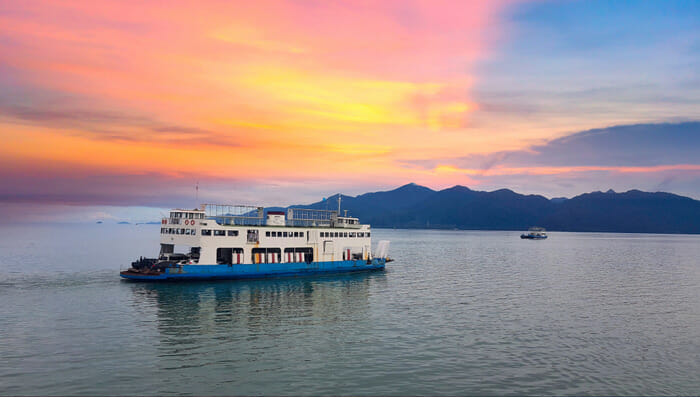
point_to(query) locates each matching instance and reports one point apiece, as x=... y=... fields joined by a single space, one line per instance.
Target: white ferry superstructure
x=235 y=241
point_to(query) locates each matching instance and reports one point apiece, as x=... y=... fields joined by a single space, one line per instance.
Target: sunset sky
x=114 y=110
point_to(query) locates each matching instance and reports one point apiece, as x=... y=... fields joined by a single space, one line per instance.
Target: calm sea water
x=456 y=313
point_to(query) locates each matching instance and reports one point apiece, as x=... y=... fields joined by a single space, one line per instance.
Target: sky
x=118 y=110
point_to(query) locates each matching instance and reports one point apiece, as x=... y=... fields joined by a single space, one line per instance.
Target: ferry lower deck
x=262 y=270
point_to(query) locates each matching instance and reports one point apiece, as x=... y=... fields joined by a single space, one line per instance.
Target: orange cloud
x=253 y=90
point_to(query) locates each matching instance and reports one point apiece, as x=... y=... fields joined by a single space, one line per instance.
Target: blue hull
x=260 y=270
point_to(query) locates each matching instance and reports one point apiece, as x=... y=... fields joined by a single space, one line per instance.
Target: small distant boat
x=535 y=233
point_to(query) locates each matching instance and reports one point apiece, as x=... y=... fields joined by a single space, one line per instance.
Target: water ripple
x=457 y=313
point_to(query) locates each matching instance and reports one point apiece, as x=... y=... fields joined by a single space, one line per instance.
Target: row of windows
x=230 y=233
x=233 y=233
x=193 y=232
x=284 y=234
x=170 y=230
x=186 y=215
x=344 y=234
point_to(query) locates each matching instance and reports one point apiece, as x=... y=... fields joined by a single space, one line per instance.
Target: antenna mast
x=339 y=197
x=196 y=194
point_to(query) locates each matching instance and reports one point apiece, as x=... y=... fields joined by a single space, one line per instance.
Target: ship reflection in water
x=227 y=324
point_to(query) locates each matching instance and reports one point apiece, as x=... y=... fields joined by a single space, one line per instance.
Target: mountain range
x=458 y=207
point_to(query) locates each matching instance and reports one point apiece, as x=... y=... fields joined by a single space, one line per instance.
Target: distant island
x=458 y=207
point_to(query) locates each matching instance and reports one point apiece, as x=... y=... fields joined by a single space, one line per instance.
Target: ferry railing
x=304 y=217
x=235 y=215
x=308 y=223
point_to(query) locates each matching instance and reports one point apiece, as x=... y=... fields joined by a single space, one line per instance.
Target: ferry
x=535 y=233
x=236 y=241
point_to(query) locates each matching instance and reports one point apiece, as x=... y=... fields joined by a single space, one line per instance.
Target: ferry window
x=345 y=234
x=360 y=234
x=284 y=234
x=336 y=234
x=193 y=232
x=206 y=232
x=352 y=234
x=219 y=232
x=367 y=234
x=253 y=236
x=187 y=232
x=274 y=234
x=267 y=234
x=233 y=232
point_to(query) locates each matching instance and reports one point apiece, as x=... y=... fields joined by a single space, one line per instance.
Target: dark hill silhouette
x=631 y=212
x=414 y=206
